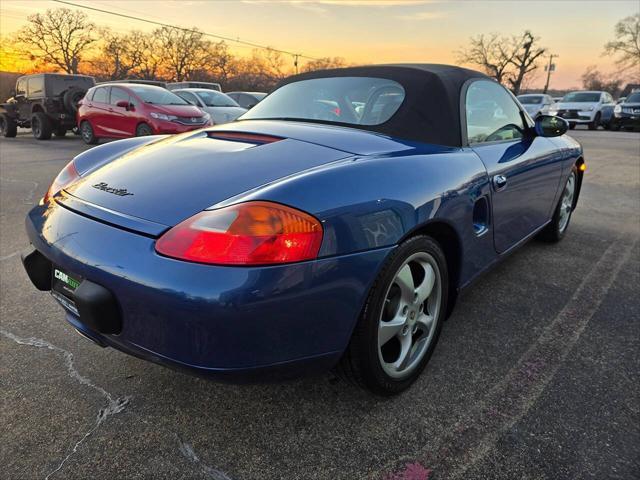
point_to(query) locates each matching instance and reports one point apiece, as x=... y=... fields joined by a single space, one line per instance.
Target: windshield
x=581 y=97
x=530 y=100
x=352 y=100
x=633 y=98
x=157 y=95
x=212 y=98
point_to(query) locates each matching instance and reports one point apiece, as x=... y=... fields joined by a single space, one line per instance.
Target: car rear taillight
x=66 y=177
x=252 y=233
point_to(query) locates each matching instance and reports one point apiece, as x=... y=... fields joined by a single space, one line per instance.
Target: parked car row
x=56 y=103
x=591 y=108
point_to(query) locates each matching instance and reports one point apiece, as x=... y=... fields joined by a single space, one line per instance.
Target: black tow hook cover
x=38 y=269
x=98 y=308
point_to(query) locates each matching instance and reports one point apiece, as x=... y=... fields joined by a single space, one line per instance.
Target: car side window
x=491 y=113
x=35 y=85
x=118 y=95
x=101 y=95
x=21 y=87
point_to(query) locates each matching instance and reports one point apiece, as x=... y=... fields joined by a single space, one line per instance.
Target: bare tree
x=120 y=55
x=323 y=63
x=508 y=60
x=490 y=52
x=626 y=45
x=223 y=64
x=524 y=58
x=151 y=63
x=60 y=37
x=592 y=79
x=185 y=51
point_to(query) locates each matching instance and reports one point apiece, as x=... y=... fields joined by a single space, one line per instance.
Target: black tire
x=41 y=126
x=87 y=134
x=60 y=132
x=572 y=125
x=555 y=230
x=143 y=130
x=8 y=126
x=596 y=121
x=72 y=97
x=361 y=362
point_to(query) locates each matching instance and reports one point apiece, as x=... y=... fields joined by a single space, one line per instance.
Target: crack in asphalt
x=474 y=436
x=11 y=255
x=187 y=451
x=113 y=406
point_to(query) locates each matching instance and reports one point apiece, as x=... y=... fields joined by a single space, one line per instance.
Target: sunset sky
x=375 y=31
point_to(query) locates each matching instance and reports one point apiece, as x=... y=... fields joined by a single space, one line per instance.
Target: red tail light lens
x=66 y=177
x=252 y=233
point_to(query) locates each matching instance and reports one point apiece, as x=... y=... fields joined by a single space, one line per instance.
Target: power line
x=161 y=24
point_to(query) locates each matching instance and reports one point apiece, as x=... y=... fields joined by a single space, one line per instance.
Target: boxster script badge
x=122 y=192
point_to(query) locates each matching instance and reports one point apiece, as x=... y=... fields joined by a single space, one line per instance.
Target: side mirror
x=551 y=126
x=124 y=104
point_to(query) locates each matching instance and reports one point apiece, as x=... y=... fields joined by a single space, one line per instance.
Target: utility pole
x=549 y=68
x=295 y=61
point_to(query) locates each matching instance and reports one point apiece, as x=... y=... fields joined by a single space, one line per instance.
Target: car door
x=97 y=113
x=524 y=169
x=122 y=121
x=23 y=106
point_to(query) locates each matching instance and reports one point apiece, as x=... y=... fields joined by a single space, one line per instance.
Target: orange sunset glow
x=362 y=32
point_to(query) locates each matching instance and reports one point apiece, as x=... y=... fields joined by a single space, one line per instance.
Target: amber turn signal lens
x=252 y=233
x=583 y=167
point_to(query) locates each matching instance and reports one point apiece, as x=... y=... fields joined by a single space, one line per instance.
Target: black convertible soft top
x=430 y=112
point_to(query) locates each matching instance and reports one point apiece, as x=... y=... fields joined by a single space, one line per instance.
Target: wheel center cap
x=412 y=315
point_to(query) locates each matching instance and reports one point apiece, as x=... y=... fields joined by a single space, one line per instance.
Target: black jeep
x=46 y=102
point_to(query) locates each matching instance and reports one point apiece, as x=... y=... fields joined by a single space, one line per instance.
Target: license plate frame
x=63 y=286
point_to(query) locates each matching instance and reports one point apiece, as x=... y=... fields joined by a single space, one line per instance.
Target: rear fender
x=96 y=157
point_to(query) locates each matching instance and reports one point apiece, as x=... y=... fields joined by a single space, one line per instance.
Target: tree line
x=67 y=40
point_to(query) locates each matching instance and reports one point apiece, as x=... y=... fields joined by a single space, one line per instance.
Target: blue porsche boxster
x=332 y=225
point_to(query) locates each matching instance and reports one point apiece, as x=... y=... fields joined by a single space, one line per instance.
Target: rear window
x=350 y=100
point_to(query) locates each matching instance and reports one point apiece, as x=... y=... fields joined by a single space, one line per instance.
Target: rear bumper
x=226 y=322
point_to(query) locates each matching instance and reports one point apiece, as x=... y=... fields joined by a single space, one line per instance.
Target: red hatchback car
x=120 y=110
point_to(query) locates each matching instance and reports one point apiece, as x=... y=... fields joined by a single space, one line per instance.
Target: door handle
x=111 y=109
x=499 y=182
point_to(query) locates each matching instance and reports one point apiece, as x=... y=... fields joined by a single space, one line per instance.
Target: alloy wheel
x=566 y=202
x=86 y=132
x=407 y=322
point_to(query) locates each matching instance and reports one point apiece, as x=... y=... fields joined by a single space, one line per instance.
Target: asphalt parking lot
x=536 y=376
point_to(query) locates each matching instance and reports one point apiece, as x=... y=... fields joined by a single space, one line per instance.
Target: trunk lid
x=168 y=181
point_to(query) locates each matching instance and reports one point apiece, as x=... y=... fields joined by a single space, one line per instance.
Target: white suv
x=582 y=107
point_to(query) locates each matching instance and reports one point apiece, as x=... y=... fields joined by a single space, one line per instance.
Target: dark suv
x=46 y=102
